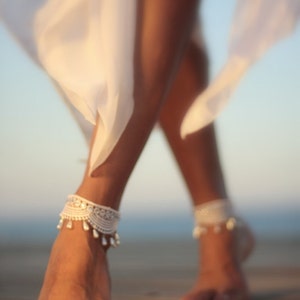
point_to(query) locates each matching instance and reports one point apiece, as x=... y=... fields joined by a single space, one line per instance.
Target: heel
x=246 y=241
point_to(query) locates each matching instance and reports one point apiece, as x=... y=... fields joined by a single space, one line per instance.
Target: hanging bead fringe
x=113 y=241
x=230 y=224
x=101 y=220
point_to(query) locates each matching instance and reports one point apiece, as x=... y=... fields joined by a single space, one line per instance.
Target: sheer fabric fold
x=256 y=26
x=86 y=47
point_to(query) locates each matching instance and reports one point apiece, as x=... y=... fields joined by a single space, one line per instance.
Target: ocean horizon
x=280 y=224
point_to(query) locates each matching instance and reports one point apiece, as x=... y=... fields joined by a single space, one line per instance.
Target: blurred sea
x=279 y=224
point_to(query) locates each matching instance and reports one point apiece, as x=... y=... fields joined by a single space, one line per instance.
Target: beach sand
x=161 y=269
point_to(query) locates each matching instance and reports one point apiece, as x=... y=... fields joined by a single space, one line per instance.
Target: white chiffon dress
x=86 y=47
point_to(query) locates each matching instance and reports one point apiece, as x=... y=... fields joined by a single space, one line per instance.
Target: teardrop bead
x=104 y=241
x=198 y=231
x=60 y=224
x=117 y=239
x=85 y=226
x=69 y=224
x=112 y=242
x=231 y=224
x=95 y=234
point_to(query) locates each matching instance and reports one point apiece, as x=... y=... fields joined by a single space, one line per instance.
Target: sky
x=42 y=148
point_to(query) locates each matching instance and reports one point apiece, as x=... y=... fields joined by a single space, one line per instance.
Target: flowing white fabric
x=256 y=26
x=86 y=47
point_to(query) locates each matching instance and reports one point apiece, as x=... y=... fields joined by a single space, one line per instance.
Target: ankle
x=221 y=248
x=219 y=232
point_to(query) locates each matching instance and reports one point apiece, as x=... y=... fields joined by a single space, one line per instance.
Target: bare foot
x=77 y=268
x=221 y=276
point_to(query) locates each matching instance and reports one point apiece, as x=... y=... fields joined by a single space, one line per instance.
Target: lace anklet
x=214 y=213
x=103 y=220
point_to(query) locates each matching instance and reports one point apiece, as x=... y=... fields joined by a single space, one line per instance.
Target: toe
x=231 y=295
x=200 y=295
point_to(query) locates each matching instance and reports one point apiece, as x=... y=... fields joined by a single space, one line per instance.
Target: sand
x=159 y=269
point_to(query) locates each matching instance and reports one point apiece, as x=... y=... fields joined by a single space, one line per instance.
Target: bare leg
x=198 y=159
x=80 y=271
x=197 y=155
